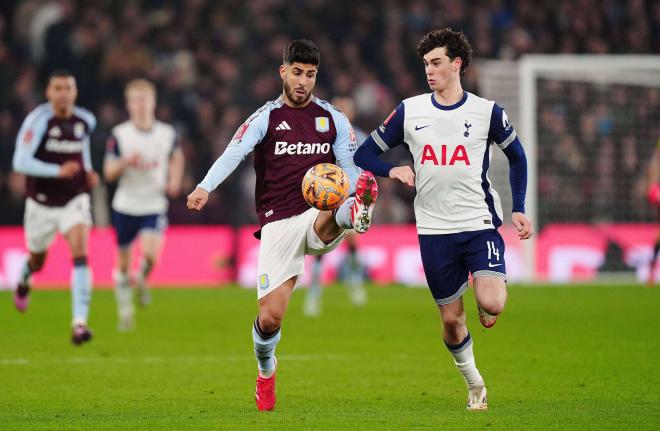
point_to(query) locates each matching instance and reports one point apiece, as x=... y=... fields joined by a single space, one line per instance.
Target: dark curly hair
x=301 y=51
x=455 y=41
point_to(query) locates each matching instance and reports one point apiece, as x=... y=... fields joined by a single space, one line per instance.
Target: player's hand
x=69 y=169
x=404 y=174
x=524 y=226
x=92 y=179
x=197 y=199
x=133 y=160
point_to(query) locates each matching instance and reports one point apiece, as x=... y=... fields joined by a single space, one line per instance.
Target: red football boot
x=366 y=193
x=265 y=392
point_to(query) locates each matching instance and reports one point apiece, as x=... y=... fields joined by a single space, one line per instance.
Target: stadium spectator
x=208 y=61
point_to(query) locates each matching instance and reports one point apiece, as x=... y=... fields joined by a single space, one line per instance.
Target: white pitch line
x=162 y=359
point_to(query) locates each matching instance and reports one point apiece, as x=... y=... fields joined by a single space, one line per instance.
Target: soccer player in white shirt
x=143 y=155
x=449 y=133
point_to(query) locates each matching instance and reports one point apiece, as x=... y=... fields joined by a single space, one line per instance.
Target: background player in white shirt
x=142 y=154
x=449 y=133
x=52 y=150
x=288 y=136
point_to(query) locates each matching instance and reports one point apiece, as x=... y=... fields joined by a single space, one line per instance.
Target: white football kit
x=141 y=188
x=451 y=152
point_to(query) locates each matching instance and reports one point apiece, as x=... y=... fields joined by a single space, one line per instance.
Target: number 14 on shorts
x=493 y=251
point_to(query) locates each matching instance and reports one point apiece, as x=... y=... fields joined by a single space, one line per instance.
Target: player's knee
x=270 y=322
x=37 y=261
x=453 y=323
x=150 y=259
x=493 y=305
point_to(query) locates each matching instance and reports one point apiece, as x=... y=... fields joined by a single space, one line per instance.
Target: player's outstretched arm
x=27 y=143
x=248 y=136
x=367 y=157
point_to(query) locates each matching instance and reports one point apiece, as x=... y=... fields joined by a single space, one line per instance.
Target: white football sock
x=264 y=349
x=464 y=360
x=343 y=214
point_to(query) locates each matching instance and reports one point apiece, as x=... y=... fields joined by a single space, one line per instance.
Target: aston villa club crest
x=263 y=282
x=322 y=124
x=79 y=130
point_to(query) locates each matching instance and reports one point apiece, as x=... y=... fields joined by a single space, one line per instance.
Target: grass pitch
x=559 y=358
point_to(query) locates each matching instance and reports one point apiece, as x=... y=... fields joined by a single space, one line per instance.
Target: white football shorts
x=43 y=222
x=284 y=244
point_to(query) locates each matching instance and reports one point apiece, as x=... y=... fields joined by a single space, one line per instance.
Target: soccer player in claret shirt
x=289 y=135
x=449 y=133
x=52 y=150
x=142 y=154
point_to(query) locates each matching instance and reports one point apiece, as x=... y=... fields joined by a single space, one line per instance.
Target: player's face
x=299 y=80
x=141 y=104
x=61 y=93
x=441 y=71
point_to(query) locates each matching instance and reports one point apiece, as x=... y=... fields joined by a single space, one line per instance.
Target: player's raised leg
x=266 y=333
x=484 y=257
x=490 y=292
x=459 y=343
x=354 y=213
x=81 y=282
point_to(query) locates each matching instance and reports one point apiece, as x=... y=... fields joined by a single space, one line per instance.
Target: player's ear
x=458 y=62
x=282 y=71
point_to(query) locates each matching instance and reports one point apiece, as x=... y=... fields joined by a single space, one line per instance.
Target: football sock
x=145 y=268
x=123 y=295
x=352 y=253
x=81 y=294
x=315 y=285
x=26 y=272
x=343 y=214
x=264 y=348
x=464 y=360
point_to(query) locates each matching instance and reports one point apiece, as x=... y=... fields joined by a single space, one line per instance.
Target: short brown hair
x=455 y=41
x=301 y=51
x=140 y=84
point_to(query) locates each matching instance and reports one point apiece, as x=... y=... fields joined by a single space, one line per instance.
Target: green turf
x=559 y=358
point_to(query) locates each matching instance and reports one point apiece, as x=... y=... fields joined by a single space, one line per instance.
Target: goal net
x=589 y=125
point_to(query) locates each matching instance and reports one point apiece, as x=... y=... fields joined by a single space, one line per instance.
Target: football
x=325 y=186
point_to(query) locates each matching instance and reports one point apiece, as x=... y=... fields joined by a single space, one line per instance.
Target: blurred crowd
x=215 y=62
